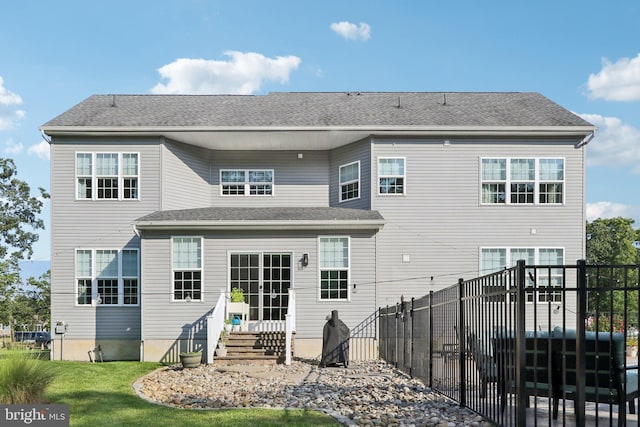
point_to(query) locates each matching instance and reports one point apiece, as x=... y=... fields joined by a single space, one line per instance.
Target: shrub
x=23 y=379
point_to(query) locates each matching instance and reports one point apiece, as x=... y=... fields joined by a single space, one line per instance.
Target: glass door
x=265 y=279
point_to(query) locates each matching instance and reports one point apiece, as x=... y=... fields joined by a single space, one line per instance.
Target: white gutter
x=455 y=130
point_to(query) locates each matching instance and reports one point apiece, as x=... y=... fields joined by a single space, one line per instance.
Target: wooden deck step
x=254 y=347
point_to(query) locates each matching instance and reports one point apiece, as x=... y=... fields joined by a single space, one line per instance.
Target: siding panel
x=361 y=151
x=164 y=319
x=186 y=176
x=95 y=224
x=297 y=182
x=440 y=224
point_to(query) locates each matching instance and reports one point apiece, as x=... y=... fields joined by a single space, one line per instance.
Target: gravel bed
x=364 y=394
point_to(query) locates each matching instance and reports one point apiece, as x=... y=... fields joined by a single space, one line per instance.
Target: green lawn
x=100 y=394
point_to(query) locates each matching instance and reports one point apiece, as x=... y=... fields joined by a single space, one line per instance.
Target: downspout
x=137 y=233
x=587 y=139
x=579 y=145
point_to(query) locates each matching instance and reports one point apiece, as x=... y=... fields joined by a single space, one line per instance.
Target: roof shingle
x=252 y=215
x=318 y=109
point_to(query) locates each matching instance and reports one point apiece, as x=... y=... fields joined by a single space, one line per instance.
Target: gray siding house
x=161 y=203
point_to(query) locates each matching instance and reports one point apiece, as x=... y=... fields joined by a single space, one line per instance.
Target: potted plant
x=221 y=351
x=237 y=295
x=191 y=359
x=228 y=325
x=238 y=309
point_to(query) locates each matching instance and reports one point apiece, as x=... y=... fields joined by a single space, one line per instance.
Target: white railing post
x=290 y=326
x=215 y=324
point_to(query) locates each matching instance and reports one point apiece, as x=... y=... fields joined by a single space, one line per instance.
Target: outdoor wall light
x=305 y=260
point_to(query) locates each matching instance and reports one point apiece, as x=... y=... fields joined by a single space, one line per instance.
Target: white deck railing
x=290 y=326
x=215 y=325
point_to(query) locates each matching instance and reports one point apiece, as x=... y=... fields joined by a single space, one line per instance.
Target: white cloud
x=615 y=143
x=242 y=74
x=612 y=210
x=352 y=31
x=9 y=115
x=42 y=150
x=617 y=81
x=12 y=148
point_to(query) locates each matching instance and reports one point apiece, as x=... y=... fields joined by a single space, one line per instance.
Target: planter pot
x=190 y=360
x=221 y=352
x=632 y=351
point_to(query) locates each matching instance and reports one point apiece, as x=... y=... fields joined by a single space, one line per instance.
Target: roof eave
x=261 y=225
x=378 y=130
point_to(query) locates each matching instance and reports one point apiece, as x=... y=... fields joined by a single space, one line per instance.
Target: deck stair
x=254 y=348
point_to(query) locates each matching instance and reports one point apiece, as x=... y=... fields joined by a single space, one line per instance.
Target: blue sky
x=584 y=55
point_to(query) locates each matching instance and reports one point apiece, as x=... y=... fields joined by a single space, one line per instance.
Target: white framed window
x=107 y=176
x=84 y=277
x=549 y=280
x=107 y=277
x=186 y=263
x=522 y=181
x=391 y=175
x=349 y=176
x=130 y=174
x=334 y=261
x=246 y=182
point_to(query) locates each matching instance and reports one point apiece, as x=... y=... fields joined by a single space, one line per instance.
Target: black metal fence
x=547 y=344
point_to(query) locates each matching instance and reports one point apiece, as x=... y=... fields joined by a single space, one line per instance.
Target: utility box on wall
x=61 y=328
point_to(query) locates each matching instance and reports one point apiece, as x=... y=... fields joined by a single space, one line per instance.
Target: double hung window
x=545 y=284
x=251 y=182
x=107 y=277
x=187 y=268
x=107 y=176
x=518 y=181
x=334 y=268
x=349 y=181
x=391 y=175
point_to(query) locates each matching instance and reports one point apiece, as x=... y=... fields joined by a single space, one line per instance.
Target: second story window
x=349 y=181
x=107 y=176
x=391 y=175
x=522 y=181
x=249 y=182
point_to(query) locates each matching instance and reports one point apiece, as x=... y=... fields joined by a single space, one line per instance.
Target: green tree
x=19 y=223
x=611 y=242
x=31 y=304
x=19 y=212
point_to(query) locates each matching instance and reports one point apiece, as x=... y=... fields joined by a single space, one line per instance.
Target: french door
x=265 y=278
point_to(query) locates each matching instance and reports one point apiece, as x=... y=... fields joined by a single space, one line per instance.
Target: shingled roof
x=262 y=218
x=317 y=110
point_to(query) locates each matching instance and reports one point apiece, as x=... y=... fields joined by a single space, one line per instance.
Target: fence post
x=461 y=343
x=388 y=341
x=412 y=340
x=581 y=358
x=520 y=356
x=430 y=338
x=397 y=351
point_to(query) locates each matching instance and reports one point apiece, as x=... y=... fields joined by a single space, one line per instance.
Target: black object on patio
x=335 y=342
